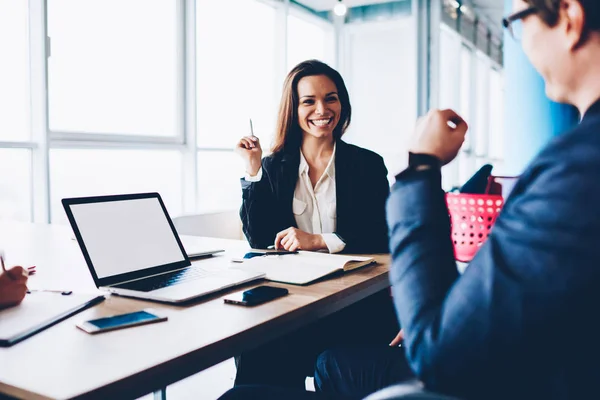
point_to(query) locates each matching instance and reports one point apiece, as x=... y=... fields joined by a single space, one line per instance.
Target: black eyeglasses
x=514 y=21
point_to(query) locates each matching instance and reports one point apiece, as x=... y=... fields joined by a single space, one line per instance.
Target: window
x=14 y=71
x=449 y=69
x=15 y=186
x=308 y=40
x=113 y=66
x=381 y=79
x=466 y=74
x=481 y=110
x=496 y=105
x=236 y=77
x=449 y=91
x=219 y=187
x=90 y=172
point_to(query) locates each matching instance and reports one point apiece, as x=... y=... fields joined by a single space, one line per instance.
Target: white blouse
x=315 y=208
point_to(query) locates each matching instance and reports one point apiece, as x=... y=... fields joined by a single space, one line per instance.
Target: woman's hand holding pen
x=13 y=286
x=249 y=149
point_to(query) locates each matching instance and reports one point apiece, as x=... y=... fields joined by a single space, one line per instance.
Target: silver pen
x=2 y=262
x=251 y=129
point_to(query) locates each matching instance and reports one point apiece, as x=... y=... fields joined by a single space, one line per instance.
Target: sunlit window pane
x=466 y=76
x=15 y=184
x=449 y=91
x=382 y=87
x=449 y=70
x=482 y=130
x=236 y=77
x=14 y=71
x=113 y=66
x=85 y=172
x=496 y=115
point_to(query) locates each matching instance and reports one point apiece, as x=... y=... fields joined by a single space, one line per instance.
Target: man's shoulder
x=568 y=168
x=580 y=145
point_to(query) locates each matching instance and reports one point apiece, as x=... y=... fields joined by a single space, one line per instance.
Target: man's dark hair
x=549 y=11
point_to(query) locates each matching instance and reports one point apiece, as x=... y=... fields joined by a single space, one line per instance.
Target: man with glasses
x=520 y=323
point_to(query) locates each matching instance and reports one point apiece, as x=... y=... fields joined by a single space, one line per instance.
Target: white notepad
x=304 y=267
x=38 y=311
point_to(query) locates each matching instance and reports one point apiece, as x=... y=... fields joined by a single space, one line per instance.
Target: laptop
x=132 y=249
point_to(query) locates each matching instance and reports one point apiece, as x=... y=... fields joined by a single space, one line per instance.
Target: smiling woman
x=314 y=192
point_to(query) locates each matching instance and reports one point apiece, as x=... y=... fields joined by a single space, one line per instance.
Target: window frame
x=56 y=136
x=43 y=139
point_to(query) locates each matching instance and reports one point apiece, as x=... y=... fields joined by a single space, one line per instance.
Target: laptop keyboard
x=169 y=279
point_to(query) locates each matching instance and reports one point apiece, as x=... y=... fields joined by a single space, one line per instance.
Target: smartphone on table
x=255 y=296
x=143 y=317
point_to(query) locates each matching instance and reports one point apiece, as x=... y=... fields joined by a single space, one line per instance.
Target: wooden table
x=64 y=362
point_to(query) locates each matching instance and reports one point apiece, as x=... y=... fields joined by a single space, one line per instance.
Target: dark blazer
x=522 y=321
x=361 y=191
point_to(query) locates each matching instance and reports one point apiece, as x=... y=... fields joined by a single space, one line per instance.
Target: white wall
x=379 y=67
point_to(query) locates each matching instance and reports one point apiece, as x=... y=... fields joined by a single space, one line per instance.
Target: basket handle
x=492 y=180
x=488 y=187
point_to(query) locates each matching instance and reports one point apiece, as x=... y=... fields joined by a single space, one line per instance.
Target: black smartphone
x=142 y=317
x=255 y=296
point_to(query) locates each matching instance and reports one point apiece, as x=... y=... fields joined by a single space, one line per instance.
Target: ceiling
x=492 y=10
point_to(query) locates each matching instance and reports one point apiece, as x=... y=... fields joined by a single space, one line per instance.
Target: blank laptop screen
x=126 y=236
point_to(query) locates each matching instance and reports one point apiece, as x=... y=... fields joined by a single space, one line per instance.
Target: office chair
x=412 y=390
x=223 y=225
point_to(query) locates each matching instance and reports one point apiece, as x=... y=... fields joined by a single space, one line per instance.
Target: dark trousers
x=354 y=373
x=340 y=374
x=287 y=361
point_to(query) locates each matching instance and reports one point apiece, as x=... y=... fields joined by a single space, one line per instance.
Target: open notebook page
x=303 y=267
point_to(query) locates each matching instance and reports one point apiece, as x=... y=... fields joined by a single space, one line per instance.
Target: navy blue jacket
x=362 y=188
x=522 y=322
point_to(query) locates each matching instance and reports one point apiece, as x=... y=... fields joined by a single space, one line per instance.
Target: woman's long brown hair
x=288 y=135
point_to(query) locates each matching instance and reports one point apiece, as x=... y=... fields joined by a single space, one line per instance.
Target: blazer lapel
x=343 y=185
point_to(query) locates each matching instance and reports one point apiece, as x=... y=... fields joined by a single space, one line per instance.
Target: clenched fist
x=440 y=133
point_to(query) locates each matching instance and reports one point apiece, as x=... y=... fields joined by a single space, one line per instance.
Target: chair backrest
x=224 y=225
